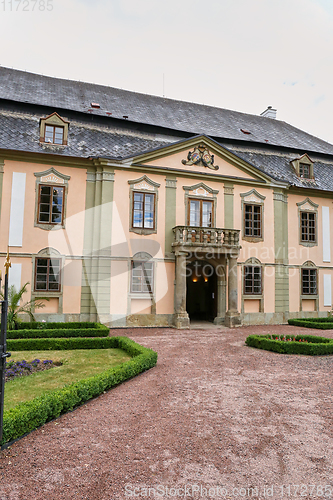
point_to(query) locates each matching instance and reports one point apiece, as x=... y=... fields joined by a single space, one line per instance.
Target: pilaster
x=228 y=206
x=281 y=251
x=170 y=213
x=181 y=317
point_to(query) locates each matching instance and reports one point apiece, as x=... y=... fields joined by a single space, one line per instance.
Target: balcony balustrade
x=205 y=238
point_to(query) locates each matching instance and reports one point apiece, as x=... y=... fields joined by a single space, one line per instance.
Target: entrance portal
x=201 y=294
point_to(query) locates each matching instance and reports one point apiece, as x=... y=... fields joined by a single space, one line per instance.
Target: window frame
x=257 y=205
x=252 y=292
x=48 y=289
x=142 y=263
x=201 y=200
x=307 y=206
x=315 y=273
x=142 y=185
x=144 y=193
x=51 y=186
x=54 y=131
x=253 y=197
x=308 y=227
x=52 y=178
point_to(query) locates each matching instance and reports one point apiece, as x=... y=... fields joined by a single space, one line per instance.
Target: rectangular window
x=50 y=207
x=142 y=277
x=47 y=275
x=308 y=226
x=54 y=135
x=252 y=221
x=309 y=281
x=304 y=171
x=201 y=213
x=143 y=210
x=252 y=280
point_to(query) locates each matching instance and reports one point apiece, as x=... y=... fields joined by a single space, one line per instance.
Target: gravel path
x=212 y=414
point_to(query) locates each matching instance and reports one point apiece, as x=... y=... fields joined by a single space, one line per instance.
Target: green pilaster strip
x=170 y=213
x=87 y=301
x=104 y=251
x=2 y=163
x=281 y=251
x=228 y=206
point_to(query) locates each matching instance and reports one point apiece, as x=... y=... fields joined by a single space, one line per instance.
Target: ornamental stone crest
x=200 y=156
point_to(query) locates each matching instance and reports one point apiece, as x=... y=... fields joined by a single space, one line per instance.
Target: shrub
x=100 y=331
x=319 y=323
x=27 y=416
x=28 y=325
x=311 y=346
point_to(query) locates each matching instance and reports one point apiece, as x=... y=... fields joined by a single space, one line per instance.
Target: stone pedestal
x=181 y=318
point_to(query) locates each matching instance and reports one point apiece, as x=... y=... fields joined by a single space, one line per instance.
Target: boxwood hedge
x=313 y=345
x=29 y=415
x=28 y=325
x=101 y=331
x=319 y=323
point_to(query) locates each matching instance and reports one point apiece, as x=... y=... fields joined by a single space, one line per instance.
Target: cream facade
x=191 y=228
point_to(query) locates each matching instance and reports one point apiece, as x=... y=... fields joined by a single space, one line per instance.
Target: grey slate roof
x=277 y=166
x=196 y=119
x=20 y=132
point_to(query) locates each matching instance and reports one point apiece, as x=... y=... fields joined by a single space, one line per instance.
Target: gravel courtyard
x=213 y=419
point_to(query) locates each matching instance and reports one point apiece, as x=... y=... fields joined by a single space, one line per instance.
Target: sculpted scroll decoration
x=200 y=156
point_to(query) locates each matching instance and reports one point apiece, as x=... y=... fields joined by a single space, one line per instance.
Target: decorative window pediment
x=144 y=184
x=200 y=189
x=307 y=204
x=54 y=130
x=303 y=167
x=52 y=176
x=253 y=197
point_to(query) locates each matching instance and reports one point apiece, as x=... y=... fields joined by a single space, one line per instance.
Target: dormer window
x=304 y=171
x=54 y=130
x=54 y=135
x=303 y=167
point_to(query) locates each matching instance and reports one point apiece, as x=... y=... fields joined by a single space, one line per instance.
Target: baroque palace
x=137 y=210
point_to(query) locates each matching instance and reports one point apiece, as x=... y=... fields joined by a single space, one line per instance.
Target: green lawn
x=77 y=364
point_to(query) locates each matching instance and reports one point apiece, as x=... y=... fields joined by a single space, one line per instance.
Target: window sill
x=49 y=227
x=253 y=297
x=144 y=231
x=308 y=243
x=309 y=296
x=41 y=293
x=141 y=295
x=252 y=239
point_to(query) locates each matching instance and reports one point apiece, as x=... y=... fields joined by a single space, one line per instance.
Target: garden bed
x=22 y=368
x=289 y=344
x=319 y=323
x=29 y=415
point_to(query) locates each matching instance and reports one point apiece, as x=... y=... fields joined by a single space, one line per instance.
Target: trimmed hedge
x=319 y=323
x=101 y=331
x=29 y=415
x=33 y=325
x=314 y=346
x=57 y=344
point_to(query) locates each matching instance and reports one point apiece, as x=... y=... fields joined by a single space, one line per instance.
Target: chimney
x=269 y=113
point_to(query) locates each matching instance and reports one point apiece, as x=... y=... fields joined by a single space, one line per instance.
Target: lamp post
x=3 y=341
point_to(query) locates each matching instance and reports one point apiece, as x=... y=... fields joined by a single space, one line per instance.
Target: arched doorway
x=201 y=293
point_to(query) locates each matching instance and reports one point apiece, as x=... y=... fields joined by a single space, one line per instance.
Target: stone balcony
x=205 y=239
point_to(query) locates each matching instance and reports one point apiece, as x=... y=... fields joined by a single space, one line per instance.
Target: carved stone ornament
x=200 y=156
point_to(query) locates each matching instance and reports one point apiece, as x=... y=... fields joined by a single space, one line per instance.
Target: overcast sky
x=237 y=54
